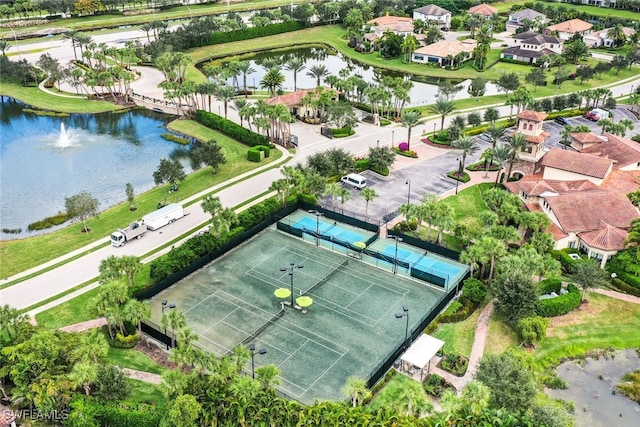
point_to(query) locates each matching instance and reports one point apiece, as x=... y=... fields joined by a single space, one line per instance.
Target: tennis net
x=327 y=277
x=261 y=329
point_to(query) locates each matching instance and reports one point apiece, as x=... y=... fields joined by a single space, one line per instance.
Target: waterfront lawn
x=134 y=359
x=32 y=95
x=22 y=254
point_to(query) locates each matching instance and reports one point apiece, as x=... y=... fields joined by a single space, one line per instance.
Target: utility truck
x=135 y=230
x=163 y=216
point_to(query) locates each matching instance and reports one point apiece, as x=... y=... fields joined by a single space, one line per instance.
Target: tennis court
x=326 y=228
x=349 y=330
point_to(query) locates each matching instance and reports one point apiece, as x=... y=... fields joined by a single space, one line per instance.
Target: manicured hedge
x=625 y=287
x=568 y=264
x=230 y=129
x=547 y=286
x=462 y=178
x=253 y=154
x=562 y=304
x=255 y=32
x=630 y=279
x=342 y=132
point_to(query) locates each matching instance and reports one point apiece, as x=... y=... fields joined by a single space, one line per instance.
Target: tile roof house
x=623 y=151
x=530 y=124
x=530 y=46
x=443 y=51
x=483 y=10
x=293 y=101
x=433 y=14
x=517 y=19
x=585 y=199
x=396 y=24
x=570 y=28
x=582 y=140
x=600 y=38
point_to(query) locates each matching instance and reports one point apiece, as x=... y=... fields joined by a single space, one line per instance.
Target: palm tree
x=517 y=144
x=242 y=355
x=333 y=190
x=137 y=311
x=344 y=196
x=224 y=93
x=409 y=44
x=240 y=105
x=368 y=194
x=356 y=389
x=443 y=107
x=245 y=68
x=467 y=145
x=280 y=186
x=295 y=65
x=410 y=119
x=71 y=35
x=272 y=81
x=318 y=72
x=268 y=376
x=173 y=320
x=616 y=33
x=500 y=155
x=487 y=158
x=495 y=132
x=83 y=374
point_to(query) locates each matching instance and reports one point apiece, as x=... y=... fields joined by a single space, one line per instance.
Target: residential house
x=567 y=29
x=444 y=53
x=294 y=102
x=483 y=10
x=624 y=152
x=433 y=14
x=600 y=38
x=517 y=20
x=529 y=47
x=584 y=196
x=396 y=24
x=581 y=140
x=530 y=125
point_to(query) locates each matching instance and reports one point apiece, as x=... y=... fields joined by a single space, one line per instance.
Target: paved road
x=426 y=176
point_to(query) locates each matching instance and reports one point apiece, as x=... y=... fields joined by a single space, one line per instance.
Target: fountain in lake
x=65 y=139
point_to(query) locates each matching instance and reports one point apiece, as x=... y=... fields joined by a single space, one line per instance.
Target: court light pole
x=408 y=182
x=405 y=313
x=165 y=305
x=318 y=214
x=290 y=270
x=395 y=258
x=252 y=349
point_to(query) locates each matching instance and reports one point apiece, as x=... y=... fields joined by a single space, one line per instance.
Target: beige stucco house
x=530 y=46
x=518 y=19
x=433 y=14
x=570 y=28
x=443 y=52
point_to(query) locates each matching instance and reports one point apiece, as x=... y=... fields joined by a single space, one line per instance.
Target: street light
x=395 y=259
x=166 y=305
x=290 y=270
x=408 y=182
x=405 y=313
x=318 y=214
x=392 y=137
x=252 y=349
x=434 y=128
x=457 y=175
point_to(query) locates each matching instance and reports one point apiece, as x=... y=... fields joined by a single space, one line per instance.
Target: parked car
x=444 y=29
x=563 y=121
x=485 y=137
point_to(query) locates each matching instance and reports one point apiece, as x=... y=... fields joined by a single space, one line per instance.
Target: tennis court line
x=191 y=308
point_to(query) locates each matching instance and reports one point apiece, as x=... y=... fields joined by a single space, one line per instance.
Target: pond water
x=39 y=166
x=592 y=389
x=424 y=90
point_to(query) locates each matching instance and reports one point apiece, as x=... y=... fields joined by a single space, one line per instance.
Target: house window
x=596 y=255
x=418 y=57
x=530 y=126
x=572 y=244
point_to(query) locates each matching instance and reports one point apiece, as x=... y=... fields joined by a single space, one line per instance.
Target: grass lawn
x=468 y=202
x=500 y=336
x=602 y=323
x=133 y=359
x=78 y=309
x=22 y=254
x=458 y=337
x=146 y=393
x=33 y=96
x=392 y=394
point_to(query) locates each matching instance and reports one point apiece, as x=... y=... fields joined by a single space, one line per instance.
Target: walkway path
x=617 y=295
x=147 y=377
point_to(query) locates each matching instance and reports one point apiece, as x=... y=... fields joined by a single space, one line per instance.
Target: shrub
x=454 y=363
x=453 y=308
x=532 y=329
x=128 y=341
x=49 y=222
x=403 y=146
x=380 y=385
x=406 y=153
x=474 y=291
x=254 y=32
x=342 y=132
x=482 y=166
x=547 y=286
x=230 y=129
x=384 y=171
x=568 y=264
x=174 y=138
x=435 y=385
x=464 y=177
x=560 y=305
x=457 y=316
x=257 y=153
x=625 y=287
x=362 y=164
x=12 y=230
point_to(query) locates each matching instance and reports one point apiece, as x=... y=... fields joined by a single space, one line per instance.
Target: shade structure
x=304 y=301
x=422 y=351
x=360 y=245
x=282 y=293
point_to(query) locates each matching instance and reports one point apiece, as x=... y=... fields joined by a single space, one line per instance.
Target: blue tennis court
x=424 y=262
x=403 y=254
x=328 y=228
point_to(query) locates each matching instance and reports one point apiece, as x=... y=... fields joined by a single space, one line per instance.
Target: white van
x=354 y=180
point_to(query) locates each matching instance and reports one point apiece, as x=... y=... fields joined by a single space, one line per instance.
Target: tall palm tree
x=239 y=104
x=517 y=144
x=318 y=72
x=409 y=44
x=443 y=107
x=467 y=145
x=616 y=33
x=368 y=194
x=245 y=68
x=495 y=132
x=410 y=119
x=268 y=376
x=295 y=65
x=356 y=389
x=272 y=81
x=500 y=155
x=173 y=320
x=333 y=190
x=344 y=195
x=224 y=93
x=487 y=158
x=71 y=35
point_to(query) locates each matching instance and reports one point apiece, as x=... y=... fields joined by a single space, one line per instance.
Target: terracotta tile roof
x=584 y=210
x=536 y=188
x=444 y=48
x=389 y=20
x=483 y=9
x=396 y=27
x=432 y=10
x=623 y=151
x=621 y=181
x=626 y=30
x=533 y=115
x=606 y=237
x=291 y=99
x=586 y=137
x=6 y=416
x=571 y=26
x=536 y=139
x=556 y=232
x=575 y=162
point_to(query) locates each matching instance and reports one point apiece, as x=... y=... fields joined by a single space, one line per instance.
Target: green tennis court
x=349 y=330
